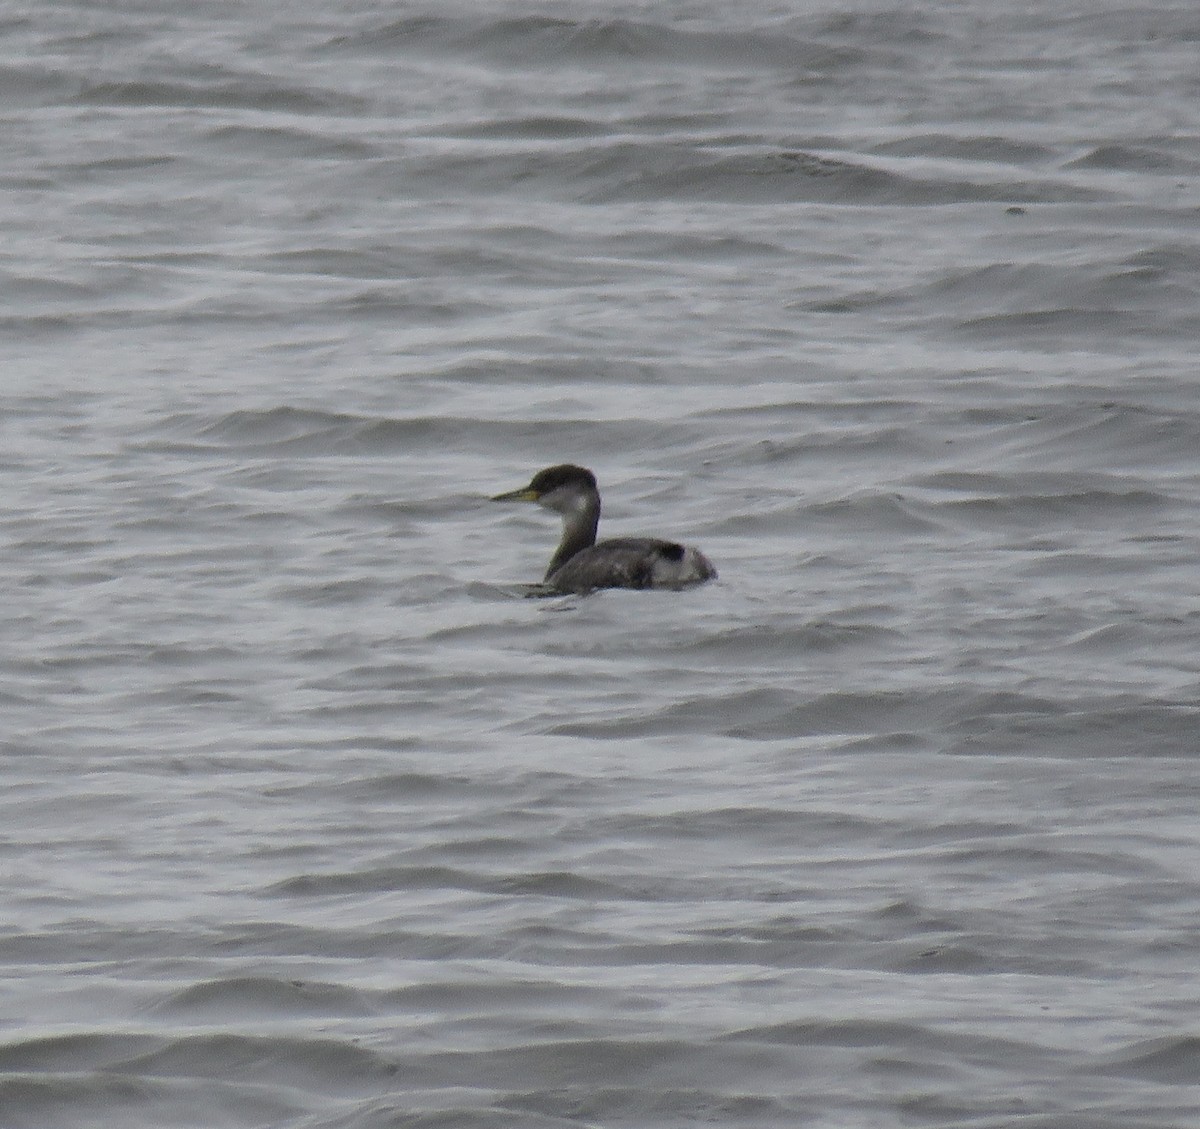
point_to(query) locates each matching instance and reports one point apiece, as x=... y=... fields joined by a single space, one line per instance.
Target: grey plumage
x=581 y=564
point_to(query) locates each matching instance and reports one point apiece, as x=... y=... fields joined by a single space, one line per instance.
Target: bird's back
x=632 y=562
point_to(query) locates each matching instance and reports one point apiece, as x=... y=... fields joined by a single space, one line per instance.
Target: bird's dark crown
x=554 y=477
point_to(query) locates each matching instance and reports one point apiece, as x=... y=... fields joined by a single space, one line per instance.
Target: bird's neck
x=579 y=532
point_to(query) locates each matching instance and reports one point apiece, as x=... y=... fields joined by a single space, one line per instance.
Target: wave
x=949 y=718
x=621 y=170
x=550 y=41
x=222 y=92
x=295 y=430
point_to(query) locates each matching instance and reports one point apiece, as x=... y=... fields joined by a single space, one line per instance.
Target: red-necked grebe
x=580 y=564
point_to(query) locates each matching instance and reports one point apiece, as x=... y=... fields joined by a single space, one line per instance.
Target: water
x=309 y=822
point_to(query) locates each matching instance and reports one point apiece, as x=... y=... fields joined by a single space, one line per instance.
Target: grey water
x=309 y=821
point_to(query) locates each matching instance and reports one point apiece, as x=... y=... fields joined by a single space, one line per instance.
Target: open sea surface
x=309 y=821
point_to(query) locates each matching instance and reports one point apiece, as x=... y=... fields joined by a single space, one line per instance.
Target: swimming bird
x=580 y=564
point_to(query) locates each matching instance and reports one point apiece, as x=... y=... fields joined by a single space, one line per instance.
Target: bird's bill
x=525 y=494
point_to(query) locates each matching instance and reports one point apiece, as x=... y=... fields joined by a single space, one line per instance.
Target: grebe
x=580 y=564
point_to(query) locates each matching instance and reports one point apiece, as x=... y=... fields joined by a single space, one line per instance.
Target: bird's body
x=581 y=563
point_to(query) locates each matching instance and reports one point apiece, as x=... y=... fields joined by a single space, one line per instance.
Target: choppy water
x=893 y=310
